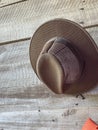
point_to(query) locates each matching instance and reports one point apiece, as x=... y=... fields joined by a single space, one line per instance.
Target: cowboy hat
x=64 y=56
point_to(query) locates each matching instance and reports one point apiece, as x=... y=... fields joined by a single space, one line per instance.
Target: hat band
x=68 y=57
x=73 y=49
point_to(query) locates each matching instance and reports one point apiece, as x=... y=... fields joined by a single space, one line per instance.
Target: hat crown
x=68 y=59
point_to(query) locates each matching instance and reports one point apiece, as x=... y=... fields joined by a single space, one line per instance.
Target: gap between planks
x=13 y=3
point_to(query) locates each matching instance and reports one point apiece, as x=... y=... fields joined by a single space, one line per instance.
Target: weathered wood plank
x=14 y=74
x=5 y=3
x=25 y=103
x=46 y=102
x=21 y=20
x=94 y=33
x=51 y=119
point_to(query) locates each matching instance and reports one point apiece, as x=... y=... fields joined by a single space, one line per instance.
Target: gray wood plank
x=25 y=103
x=4 y=3
x=72 y=119
x=21 y=20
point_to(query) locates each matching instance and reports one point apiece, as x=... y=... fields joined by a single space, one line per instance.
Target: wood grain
x=52 y=119
x=21 y=20
x=25 y=103
x=4 y=3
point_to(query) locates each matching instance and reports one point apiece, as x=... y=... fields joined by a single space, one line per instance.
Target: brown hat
x=64 y=57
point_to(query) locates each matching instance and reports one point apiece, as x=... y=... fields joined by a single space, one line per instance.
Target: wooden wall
x=25 y=103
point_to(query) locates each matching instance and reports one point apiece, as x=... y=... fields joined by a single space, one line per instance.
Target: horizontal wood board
x=25 y=103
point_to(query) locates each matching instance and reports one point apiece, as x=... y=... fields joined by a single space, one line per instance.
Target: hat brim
x=80 y=38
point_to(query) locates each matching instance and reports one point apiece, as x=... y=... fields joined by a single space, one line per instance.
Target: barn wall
x=25 y=103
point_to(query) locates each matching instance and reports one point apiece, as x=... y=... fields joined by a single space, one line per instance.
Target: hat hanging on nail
x=64 y=57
